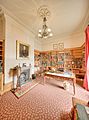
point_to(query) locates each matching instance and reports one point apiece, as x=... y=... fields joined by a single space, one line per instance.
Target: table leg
x=44 y=79
x=74 y=85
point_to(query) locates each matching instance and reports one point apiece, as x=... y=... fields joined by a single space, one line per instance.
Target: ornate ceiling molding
x=43 y=11
x=1 y=12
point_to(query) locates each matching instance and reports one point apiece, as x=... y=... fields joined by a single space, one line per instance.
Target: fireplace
x=23 y=76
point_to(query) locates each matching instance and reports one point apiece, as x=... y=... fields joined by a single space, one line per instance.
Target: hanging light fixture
x=45 y=32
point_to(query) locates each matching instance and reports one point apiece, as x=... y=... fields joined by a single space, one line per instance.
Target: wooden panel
x=77 y=52
x=1 y=81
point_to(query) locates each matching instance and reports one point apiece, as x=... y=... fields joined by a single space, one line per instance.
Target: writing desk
x=62 y=76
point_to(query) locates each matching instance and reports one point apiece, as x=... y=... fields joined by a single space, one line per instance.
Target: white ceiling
x=67 y=16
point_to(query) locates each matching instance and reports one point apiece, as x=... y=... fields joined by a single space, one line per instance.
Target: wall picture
x=61 y=46
x=55 y=46
x=22 y=50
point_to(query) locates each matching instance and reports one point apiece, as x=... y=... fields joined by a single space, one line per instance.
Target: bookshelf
x=37 y=60
x=83 y=56
x=70 y=58
x=1 y=65
x=1 y=56
x=60 y=61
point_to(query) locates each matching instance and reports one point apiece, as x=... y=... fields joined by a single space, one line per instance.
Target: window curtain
x=86 y=79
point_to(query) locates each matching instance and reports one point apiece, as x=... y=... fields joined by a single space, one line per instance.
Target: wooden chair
x=77 y=101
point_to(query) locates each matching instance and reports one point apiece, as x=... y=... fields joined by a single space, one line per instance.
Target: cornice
x=55 y=37
x=86 y=20
x=62 y=36
x=16 y=19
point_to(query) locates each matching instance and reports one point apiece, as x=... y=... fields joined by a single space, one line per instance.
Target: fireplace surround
x=21 y=75
x=24 y=76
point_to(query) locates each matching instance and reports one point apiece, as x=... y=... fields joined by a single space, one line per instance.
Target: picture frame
x=55 y=46
x=61 y=46
x=22 y=50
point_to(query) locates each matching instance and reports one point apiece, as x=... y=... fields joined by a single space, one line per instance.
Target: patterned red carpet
x=43 y=102
x=19 y=92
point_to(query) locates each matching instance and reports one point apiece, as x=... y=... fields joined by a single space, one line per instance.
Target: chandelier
x=45 y=32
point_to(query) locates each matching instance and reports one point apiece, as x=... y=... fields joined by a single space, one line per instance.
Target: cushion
x=81 y=112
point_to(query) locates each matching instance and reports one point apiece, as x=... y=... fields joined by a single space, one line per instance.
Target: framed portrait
x=55 y=46
x=22 y=50
x=61 y=46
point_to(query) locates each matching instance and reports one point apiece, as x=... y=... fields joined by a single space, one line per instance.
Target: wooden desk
x=63 y=76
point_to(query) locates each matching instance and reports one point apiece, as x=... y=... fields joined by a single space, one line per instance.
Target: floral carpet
x=20 y=91
x=43 y=102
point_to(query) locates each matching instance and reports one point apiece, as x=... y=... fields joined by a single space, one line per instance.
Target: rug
x=20 y=91
x=43 y=102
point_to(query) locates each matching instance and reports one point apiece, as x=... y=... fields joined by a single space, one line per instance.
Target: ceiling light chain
x=45 y=32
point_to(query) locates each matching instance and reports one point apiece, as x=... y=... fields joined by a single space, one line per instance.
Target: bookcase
x=60 y=61
x=45 y=59
x=70 y=58
x=53 y=59
x=49 y=59
x=37 y=60
x=2 y=56
x=83 y=56
x=1 y=65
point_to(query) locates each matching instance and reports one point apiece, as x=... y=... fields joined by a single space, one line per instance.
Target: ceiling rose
x=43 y=11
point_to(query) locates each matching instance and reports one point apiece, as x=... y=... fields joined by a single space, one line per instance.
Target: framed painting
x=61 y=46
x=22 y=50
x=55 y=46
